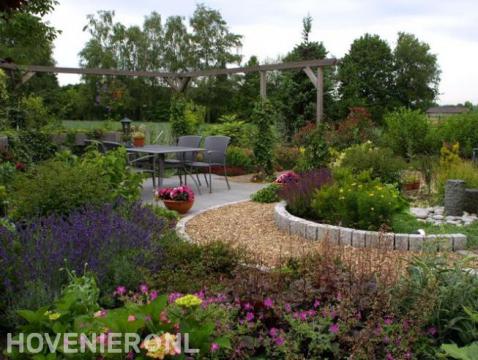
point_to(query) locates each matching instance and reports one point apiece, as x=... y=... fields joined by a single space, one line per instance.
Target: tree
x=366 y=77
x=417 y=73
x=264 y=116
x=296 y=93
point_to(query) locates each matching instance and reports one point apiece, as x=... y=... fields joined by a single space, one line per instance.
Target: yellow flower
x=160 y=346
x=52 y=315
x=188 y=301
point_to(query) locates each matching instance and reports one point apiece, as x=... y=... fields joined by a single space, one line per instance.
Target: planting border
x=359 y=238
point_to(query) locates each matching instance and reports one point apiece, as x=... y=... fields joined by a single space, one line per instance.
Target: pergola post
x=263 y=84
x=320 y=94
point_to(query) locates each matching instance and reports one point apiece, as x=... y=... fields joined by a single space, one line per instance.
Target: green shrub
x=366 y=205
x=286 y=158
x=380 y=162
x=269 y=194
x=460 y=169
x=240 y=157
x=177 y=118
x=316 y=153
x=240 y=132
x=31 y=146
x=7 y=173
x=408 y=133
x=264 y=116
x=462 y=129
x=58 y=187
x=36 y=113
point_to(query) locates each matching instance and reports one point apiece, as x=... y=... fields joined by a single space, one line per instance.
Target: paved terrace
x=240 y=190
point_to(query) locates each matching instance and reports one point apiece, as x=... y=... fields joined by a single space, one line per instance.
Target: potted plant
x=138 y=136
x=179 y=199
x=411 y=180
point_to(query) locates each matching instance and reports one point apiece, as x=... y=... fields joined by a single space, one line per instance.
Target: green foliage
x=316 y=153
x=408 y=133
x=461 y=169
x=240 y=157
x=56 y=187
x=417 y=73
x=7 y=173
x=36 y=114
x=381 y=163
x=359 y=204
x=177 y=117
x=269 y=194
x=462 y=129
x=31 y=146
x=286 y=158
x=240 y=132
x=366 y=76
x=264 y=117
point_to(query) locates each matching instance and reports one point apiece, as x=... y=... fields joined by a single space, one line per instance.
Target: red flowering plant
x=179 y=193
x=287 y=178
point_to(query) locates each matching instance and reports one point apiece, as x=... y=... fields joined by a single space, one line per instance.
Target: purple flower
x=120 y=291
x=247 y=306
x=250 y=316
x=214 y=347
x=316 y=304
x=173 y=296
x=153 y=295
x=279 y=341
x=268 y=303
x=432 y=331
x=334 y=328
x=287 y=308
x=273 y=332
x=143 y=288
x=389 y=357
x=388 y=320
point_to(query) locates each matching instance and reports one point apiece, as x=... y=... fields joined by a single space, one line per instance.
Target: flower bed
x=360 y=238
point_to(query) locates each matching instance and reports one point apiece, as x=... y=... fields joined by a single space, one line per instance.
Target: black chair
x=215 y=155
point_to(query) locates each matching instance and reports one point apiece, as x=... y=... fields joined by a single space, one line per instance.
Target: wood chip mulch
x=250 y=226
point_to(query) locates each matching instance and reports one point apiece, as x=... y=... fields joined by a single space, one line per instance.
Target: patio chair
x=182 y=159
x=215 y=155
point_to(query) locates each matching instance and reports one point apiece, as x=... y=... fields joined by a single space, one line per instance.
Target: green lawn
x=153 y=129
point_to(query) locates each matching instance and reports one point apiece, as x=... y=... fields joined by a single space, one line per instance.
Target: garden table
x=160 y=151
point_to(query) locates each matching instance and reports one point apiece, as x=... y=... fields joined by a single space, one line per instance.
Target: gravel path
x=251 y=226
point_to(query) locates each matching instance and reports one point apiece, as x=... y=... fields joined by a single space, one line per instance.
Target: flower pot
x=181 y=207
x=138 y=142
x=412 y=185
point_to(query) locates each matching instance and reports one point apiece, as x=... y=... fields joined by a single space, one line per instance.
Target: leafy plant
x=263 y=117
x=316 y=153
x=298 y=195
x=460 y=169
x=268 y=194
x=358 y=204
x=462 y=129
x=286 y=158
x=356 y=128
x=240 y=157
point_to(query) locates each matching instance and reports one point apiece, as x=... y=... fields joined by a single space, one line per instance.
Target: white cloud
x=272 y=27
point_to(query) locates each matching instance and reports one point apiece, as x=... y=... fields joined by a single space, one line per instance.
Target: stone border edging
x=360 y=238
x=181 y=224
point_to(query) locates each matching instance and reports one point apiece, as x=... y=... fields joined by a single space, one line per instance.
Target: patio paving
x=220 y=194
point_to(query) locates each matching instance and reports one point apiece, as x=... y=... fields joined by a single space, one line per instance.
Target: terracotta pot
x=412 y=186
x=181 y=207
x=138 y=142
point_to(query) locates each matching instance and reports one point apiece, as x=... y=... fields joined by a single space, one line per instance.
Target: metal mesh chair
x=182 y=159
x=215 y=155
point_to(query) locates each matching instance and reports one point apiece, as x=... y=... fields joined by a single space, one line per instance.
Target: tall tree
x=366 y=76
x=296 y=93
x=417 y=72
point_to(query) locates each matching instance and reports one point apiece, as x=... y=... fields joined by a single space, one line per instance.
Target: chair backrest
x=216 y=147
x=188 y=141
x=95 y=143
x=111 y=145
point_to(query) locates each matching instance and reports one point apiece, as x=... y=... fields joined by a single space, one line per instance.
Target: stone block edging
x=337 y=235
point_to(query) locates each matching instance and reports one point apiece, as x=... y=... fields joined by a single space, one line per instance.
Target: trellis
x=179 y=81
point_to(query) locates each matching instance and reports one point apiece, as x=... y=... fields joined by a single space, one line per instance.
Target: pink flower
x=388 y=320
x=153 y=295
x=287 y=308
x=279 y=341
x=143 y=288
x=173 y=296
x=147 y=318
x=334 y=328
x=389 y=357
x=432 y=331
x=214 y=347
x=131 y=318
x=100 y=314
x=316 y=304
x=250 y=316
x=247 y=306
x=163 y=316
x=120 y=290
x=273 y=332
x=268 y=303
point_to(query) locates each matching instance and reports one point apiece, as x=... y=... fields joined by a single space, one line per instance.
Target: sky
x=271 y=28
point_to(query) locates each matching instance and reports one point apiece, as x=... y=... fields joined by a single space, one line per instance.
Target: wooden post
x=263 y=84
x=320 y=94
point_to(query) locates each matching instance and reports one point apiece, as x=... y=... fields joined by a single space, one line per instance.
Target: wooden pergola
x=179 y=81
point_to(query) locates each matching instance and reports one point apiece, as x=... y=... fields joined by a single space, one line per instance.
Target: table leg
x=161 y=169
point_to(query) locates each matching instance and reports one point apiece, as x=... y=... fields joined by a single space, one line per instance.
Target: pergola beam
x=161 y=74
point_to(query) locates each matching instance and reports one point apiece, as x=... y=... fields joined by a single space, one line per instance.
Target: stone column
x=3 y=143
x=471 y=201
x=454 y=197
